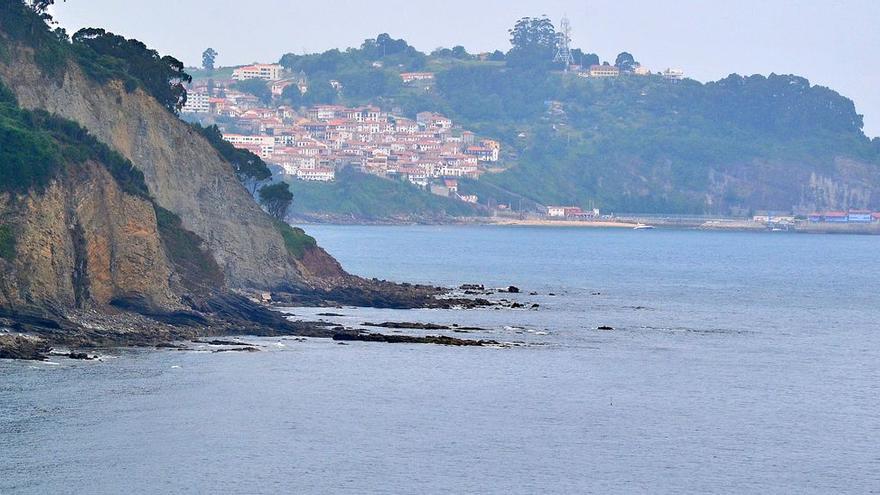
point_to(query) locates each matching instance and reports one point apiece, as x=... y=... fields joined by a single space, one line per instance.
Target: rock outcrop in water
x=348 y=336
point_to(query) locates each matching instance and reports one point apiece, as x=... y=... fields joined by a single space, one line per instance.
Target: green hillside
x=358 y=196
x=638 y=143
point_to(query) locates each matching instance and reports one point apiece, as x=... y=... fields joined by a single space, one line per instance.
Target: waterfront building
x=859 y=216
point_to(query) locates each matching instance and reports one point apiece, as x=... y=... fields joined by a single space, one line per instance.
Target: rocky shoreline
x=33 y=335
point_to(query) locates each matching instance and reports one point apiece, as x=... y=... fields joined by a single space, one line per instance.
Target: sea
x=738 y=363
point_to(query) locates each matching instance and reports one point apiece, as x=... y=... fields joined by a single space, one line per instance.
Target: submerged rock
x=238 y=349
x=407 y=325
x=221 y=342
x=74 y=355
x=409 y=339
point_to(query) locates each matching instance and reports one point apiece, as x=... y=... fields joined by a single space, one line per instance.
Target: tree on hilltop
x=41 y=8
x=209 y=56
x=625 y=62
x=497 y=56
x=533 y=41
x=460 y=53
x=585 y=59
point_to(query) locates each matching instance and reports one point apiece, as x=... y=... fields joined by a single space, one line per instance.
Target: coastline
x=600 y=224
x=34 y=334
x=719 y=224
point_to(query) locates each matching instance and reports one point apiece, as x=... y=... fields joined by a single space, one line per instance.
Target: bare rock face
x=23 y=347
x=182 y=170
x=83 y=243
x=780 y=185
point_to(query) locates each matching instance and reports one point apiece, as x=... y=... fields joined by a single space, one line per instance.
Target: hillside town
x=314 y=142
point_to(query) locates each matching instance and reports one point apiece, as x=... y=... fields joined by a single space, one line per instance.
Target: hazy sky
x=831 y=42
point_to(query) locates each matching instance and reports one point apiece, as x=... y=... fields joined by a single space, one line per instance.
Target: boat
x=642 y=226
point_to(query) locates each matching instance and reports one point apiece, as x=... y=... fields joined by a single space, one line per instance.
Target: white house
x=197 y=102
x=267 y=72
x=604 y=71
x=673 y=74
x=556 y=211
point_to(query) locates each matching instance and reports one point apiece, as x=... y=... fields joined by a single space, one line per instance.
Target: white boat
x=642 y=226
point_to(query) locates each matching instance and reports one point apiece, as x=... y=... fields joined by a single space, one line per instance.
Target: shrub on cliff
x=110 y=56
x=7 y=242
x=276 y=198
x=186 y=251
x=34 y=145
x=295 y=239
x=250 y=169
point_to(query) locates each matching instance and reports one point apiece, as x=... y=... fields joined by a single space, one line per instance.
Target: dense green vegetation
x=357 y=195
x=646 y=144
x=366 y=73
x=29 y=157
x=295 y=239
x=35 y=145
x=7 y=242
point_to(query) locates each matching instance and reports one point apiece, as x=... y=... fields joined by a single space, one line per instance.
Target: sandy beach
x=564 y=223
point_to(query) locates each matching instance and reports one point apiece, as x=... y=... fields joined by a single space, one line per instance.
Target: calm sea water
x=739 y=363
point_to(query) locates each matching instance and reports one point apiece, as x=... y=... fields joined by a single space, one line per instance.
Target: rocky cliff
x=183 y=172
x=70 y=253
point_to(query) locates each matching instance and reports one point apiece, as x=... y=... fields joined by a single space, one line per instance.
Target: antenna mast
x=563 y=44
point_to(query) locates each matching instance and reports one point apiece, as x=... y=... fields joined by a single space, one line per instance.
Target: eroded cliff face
x=81 y=243
x=845 y=183
x=183 y=172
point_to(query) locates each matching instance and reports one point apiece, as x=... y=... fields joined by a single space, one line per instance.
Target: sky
x=834 y=43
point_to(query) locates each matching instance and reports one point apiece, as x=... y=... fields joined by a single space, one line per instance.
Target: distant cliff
x=646 y=144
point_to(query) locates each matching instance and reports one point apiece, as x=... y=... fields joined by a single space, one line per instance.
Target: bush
x=34 y=145
x=248 y=167
x=7 y=242
x=185 y=250
x=295 y=239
